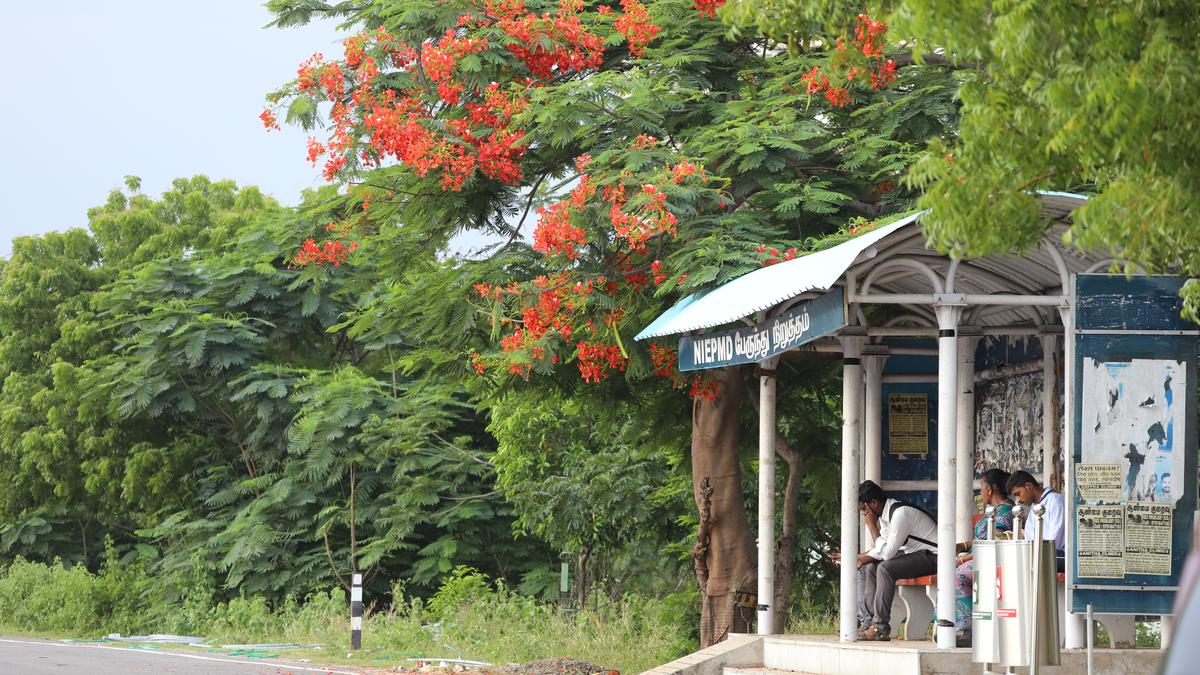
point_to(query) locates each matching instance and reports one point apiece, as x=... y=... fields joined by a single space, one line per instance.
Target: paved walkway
x=30 y=656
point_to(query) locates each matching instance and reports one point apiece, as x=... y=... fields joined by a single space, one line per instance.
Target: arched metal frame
x=1001 y=295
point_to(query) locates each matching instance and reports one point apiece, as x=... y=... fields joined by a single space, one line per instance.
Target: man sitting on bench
x=906 y=549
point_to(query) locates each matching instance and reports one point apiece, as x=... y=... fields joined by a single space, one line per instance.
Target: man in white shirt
x=905 y=547
x=1027 y=491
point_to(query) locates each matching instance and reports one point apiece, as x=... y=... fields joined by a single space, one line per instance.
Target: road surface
x=29 y=656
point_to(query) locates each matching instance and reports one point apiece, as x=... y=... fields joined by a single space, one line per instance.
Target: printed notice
x=1101 y=541
x=1099 y=482
x=1148 y=538
x=908 y=424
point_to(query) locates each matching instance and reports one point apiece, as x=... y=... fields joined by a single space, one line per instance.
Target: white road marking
x=275 y=664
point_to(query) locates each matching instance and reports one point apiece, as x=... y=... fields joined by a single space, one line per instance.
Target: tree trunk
x=724 y=554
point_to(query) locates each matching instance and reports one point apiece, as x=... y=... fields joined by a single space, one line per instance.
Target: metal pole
x=872 y=449
x=1018 y=521
x=766 y=497
x=1073 y=631
x=947 y=474
x=965 y=440
x=873 y=422
x=1049 y=411
x=356 y=608
x=1091 y=640
x=852 y=394
x=1038 y=512
x=989 y=512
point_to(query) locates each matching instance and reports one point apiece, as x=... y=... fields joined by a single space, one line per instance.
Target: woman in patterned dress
x=991 y=491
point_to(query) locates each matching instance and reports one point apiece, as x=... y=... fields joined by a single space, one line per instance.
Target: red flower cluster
x=268 y=120
x=666 y=365
x=549 y=44
x=554 y=233
x=708 y=8
x=770 y=256
x=548 y=317
x=595 y=359
x=864 y=64
x=635 y=25
x=860 y=228
x=684 y=169
x=331 y=252
x=640 y=219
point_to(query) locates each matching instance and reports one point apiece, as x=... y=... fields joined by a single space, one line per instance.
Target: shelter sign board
x=797 y=326
x=1132 y=496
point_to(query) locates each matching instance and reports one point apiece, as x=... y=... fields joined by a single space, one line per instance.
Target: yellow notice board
x=908 y=424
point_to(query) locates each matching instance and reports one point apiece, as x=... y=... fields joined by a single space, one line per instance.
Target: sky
x=159 y=89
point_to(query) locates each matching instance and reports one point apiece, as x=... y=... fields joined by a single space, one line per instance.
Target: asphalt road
x=27 y=656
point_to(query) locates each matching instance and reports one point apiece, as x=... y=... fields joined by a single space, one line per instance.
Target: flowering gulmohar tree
x=623 y=155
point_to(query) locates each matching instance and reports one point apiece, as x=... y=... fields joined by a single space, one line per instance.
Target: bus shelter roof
x=874 y=259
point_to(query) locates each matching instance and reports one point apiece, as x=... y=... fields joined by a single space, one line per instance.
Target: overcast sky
x=95 y=91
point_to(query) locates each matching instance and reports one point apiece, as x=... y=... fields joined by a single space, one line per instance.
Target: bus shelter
x=951 y=313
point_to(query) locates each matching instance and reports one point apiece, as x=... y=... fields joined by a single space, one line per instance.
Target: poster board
x=1132 y=469
x=908 y=423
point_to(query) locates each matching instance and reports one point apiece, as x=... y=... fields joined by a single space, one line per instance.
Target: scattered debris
x=248 y=653
x=455 y=665
x=553 y=667
x=157 y=638
x=273 y=645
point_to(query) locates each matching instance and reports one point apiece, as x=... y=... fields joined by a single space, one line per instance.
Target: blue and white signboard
x=797 y=326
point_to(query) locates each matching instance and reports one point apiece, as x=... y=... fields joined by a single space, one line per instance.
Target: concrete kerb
x=736 y=650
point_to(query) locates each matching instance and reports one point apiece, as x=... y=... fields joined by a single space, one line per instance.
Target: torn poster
x=1148 y=538
x=1133 y=416
x=1101 y=542
x=1099 y=482
x=1008 y=423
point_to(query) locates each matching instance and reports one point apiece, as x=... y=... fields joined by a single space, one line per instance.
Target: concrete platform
x=826 y=655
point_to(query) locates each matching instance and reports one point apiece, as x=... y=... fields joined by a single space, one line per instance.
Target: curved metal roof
x=1034 y=273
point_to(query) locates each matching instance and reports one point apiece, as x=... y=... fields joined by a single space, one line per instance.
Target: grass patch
x=469 y=617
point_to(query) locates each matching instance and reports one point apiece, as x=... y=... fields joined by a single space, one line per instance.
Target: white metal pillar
x=766 y=496
x=1075 y=625
x=965 y=491
x=871 y=456
x=852 y=403
x=1049 y=413
x=873 y=421
x=1167 y=627
x=947 y=475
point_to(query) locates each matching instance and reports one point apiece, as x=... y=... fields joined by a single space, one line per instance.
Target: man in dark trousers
x=905 y=547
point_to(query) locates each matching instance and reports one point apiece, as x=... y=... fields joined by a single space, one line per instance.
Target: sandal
x=875 y=634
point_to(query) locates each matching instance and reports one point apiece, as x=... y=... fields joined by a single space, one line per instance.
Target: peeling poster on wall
x=1008 y=423
x=1133 y=416
x=908 y=424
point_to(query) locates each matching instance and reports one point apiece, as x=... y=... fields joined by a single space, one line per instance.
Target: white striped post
x=356 y=612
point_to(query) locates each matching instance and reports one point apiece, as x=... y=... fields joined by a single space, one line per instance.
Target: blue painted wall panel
x=1142 y=303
